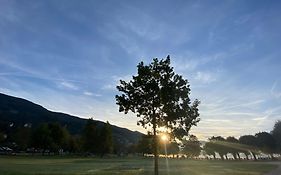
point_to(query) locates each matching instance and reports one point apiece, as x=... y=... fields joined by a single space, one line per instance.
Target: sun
x=164 y=137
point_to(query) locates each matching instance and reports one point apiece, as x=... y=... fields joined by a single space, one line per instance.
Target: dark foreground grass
x=126 y=166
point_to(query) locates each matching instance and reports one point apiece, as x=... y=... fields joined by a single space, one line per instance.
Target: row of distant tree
x=98 y=140
x=246 y=147
x=252 y=146
x=190 y=147
x=54 y=138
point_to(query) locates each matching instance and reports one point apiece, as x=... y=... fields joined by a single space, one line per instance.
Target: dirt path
x=275 y=171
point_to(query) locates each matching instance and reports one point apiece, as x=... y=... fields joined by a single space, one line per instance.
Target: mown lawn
x=126 y=166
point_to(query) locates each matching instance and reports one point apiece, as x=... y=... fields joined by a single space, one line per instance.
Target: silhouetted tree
x=191 y=147
x=2 y=137
x=41 y=137
x=250 y=144
x=119 y=148
x=144 y=145
x=132 y=148
x=172 y=148
x=210 y=148
x=59 y=137
x=160 y=98
x=276 y=133
x=266 y=143
x=90 y=137
x=22 y=137
x=220 y=146
x=233 y=146
x=106 y=142
x=74 y=144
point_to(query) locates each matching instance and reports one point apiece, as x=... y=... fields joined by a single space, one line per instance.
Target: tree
x=209 y=148
x=90 y=137
x=191 y=147
x=160 y=98
x=74 y=144
x=106 y=142
x=144 y=145
x=250 y=144
x=266 y=143
x=172 y=148
x=2 y=137
x=220 y=146
x=59 y=136
x=22 y=137
x=276 y=133
x=41 y=137
x=233 y=146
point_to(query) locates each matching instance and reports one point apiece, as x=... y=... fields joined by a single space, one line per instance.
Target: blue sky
x=69 y=55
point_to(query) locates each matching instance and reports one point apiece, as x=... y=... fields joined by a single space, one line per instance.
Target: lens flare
x=164 y=137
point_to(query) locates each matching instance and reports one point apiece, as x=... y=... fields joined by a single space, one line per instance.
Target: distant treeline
x=52 y=138
x=262 y=145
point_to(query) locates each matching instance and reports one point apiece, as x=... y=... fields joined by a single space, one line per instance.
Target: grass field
x=126 y=166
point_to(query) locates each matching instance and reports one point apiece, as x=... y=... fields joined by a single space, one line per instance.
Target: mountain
x=19 y=112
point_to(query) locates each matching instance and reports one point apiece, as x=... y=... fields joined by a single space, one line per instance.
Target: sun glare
x=164 y=137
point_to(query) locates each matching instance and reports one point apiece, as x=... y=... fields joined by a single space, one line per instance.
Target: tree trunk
x=222 y=158
x=247 y=156
x=234 y=156
x=238 y=155
x=271 y=156
x=155 y=147
x=255 y=157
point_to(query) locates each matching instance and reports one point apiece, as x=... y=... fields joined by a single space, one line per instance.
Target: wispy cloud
x=87 y=93
x=82 y=55
x=114 y=81
x=260 y=118
x=68 y=85
x=184 y=65
x=205 y=77
x=243 y=19
x=8 y=13
x=108 y=87
x=217 y=120
x=274 y=90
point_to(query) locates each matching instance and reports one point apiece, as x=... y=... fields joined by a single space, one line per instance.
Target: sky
x=69 y=55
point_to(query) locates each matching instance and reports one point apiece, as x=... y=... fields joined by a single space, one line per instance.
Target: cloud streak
x=68 y=85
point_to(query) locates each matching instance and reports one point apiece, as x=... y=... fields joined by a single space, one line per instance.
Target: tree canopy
x=191 y=147
x=160 y=98
x=250 y=143
x=266 y=142
x=90 y=137
x=105 y=138
x=276 y=133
